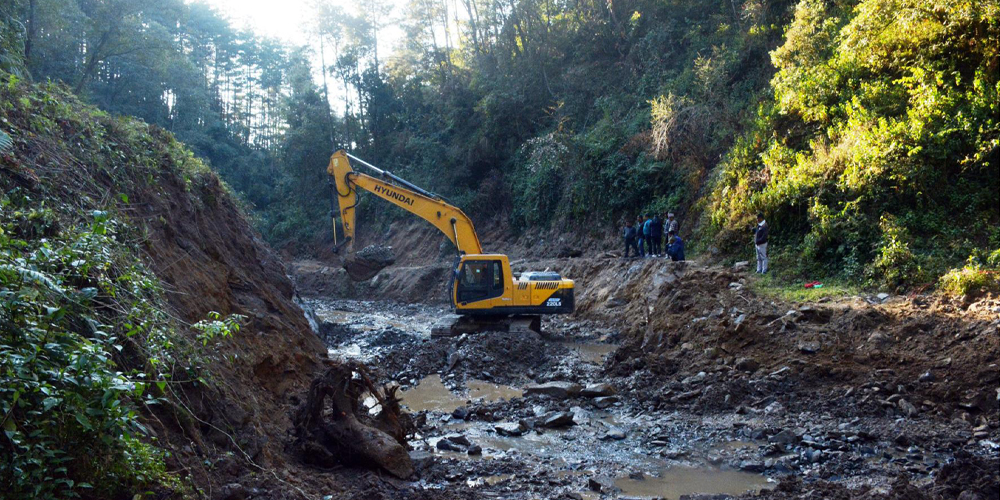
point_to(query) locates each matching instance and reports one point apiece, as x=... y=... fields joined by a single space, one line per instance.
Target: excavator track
x=454 y=325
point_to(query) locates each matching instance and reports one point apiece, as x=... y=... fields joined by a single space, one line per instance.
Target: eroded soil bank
x=674 y=380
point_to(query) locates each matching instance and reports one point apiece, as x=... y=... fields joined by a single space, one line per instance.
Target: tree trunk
x=30 y=37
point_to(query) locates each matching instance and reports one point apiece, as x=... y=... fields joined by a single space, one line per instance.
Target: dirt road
x=675 y=380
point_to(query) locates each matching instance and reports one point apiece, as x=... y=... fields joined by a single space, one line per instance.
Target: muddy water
x=591 y=352
x=675 y=482
x=430 y=394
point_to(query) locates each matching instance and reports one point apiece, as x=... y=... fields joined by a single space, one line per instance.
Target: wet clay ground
x=505 y=415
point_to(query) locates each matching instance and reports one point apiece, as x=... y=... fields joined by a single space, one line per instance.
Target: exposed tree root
x=343 y=432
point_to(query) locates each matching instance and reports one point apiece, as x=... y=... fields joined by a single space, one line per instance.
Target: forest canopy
x=865 y=130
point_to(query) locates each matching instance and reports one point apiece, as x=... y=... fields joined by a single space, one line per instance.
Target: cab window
x=480 y=280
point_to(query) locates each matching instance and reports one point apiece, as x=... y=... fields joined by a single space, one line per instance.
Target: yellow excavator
x=486 y=295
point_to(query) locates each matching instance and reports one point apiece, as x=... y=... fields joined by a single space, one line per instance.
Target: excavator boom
x=446 y=217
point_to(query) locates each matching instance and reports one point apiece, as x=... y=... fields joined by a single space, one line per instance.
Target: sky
x=287 y=20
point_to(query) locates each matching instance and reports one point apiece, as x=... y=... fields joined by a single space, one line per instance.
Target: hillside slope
x=117 y=247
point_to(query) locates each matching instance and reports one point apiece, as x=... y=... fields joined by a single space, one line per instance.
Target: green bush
x=980 y=275
x=72 y=371
x=883 y=110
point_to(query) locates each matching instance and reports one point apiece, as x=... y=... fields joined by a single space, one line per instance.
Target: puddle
x=479 y=389
x=675 y=482
x=430 y=394
x=489 y=480
x=591 y=352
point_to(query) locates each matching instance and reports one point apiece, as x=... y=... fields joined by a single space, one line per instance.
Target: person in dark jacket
x=629 y=236
x=638 y=236
x=647 y=234
x=760 y=242
x=656 y=232
x=675 y=247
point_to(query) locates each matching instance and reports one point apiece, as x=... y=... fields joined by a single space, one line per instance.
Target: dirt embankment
x=226 y=420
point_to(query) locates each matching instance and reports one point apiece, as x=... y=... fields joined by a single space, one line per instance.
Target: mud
x=718 y=391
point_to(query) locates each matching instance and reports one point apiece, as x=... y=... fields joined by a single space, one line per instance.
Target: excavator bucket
x=365 y=264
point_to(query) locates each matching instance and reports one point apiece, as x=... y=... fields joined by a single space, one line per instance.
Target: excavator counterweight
x=485 y=294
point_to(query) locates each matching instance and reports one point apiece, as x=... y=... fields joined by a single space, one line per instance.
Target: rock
x=774 y=409
x=558 y=419
x=738 y=322
x=558 y=390
x=453 y=360
x=232 y=491
x=458 y=439
x=694 y=379
x=882 y=297
x=605 y=402
x=460 y=413
x=902 y=440
x=879 y=339
x=908 y=408
x=597 y=390
x=812 y=456
x=511 y=429
x=742 y=265
x=748 y=365
x=614 y=302
x=448 y=445
x=475 y=450
x=784 y=437
x=752 y=466
x=969 y=495
x=616 y=433
x=687 y=346
x=927 y=377
x=780 y=373
x=602 y=484
x=711 y=352
x=809 y=347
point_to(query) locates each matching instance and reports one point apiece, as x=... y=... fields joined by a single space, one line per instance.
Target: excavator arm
x=448 y=218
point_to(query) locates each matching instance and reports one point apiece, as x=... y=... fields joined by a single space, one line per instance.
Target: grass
x=777 y=287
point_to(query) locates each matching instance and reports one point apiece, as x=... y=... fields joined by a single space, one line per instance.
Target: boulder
x=748 y=365
x=809 y=347
x=597 y=390
x=511 y=429
x=558 y=419
x=602 y=484
x=616 y=433
x=557 y=390
x=605 y=402
x=448 y=445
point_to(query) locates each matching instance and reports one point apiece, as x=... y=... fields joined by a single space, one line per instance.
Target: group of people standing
x=645 y=237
